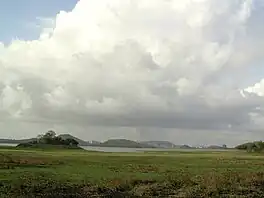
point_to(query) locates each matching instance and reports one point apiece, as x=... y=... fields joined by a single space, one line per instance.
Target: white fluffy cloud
x=141 y=63
x=257 y=89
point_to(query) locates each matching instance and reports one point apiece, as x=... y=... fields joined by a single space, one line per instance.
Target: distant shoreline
x=118 y=143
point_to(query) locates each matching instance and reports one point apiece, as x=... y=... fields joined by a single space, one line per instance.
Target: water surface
x=132 y=150
x=7 y=144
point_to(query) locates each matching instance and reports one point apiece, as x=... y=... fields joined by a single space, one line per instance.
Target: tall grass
x=64 y=173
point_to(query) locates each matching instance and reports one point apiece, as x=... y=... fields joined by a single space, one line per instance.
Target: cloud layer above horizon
x=190 y=65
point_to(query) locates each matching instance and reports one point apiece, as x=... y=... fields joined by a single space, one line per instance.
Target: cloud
x=160 y=65
x=257 y=89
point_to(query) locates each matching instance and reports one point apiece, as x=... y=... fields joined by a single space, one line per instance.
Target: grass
x=79 y=173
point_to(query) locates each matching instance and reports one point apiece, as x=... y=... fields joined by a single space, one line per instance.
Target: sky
x=23 y=19
x=191 y=72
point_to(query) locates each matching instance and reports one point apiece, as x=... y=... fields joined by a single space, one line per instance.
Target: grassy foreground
x=79 y=173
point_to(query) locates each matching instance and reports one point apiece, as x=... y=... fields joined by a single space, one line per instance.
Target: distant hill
x=160 y=144
x=47 y=146
x=50 y=140
x=63 y=136
x=124 y=143
x=68 y=136
x=256 y=146
x=109 y=143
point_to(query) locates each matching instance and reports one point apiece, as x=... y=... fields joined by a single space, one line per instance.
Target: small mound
x=50 y=141
x=47 y=146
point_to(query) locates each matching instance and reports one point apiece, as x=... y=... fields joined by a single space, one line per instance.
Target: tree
x=50 y=134
x=40 y=138
x=48 y=137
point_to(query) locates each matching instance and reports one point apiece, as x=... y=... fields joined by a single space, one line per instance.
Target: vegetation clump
x=257 y=146
x=74 y=173
x=206 y=186
x=50 y=139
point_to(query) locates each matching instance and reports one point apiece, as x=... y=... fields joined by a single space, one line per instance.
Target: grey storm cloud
x=155 y=65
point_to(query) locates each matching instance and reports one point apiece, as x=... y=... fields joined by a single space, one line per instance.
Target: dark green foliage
x=257 y=146
x=50 y=138
x=68 y=136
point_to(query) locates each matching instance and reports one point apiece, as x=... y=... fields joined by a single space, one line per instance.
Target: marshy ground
x=80 y=173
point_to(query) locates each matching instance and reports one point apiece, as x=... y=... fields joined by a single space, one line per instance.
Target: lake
x=108 y=149
x=131 y=150
x=118 y=149
x=6 y=144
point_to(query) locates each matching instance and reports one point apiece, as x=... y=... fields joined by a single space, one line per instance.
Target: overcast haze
x=187 y=71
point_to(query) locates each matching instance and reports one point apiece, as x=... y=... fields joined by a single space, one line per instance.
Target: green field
x=79 y=173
